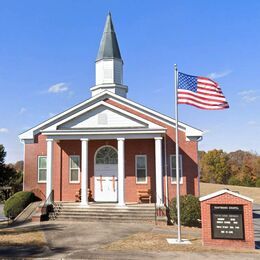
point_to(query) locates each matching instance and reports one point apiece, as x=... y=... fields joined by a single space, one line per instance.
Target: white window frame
x=38 y=168
x=180 y=166
x=78 y=168
x=136 y=179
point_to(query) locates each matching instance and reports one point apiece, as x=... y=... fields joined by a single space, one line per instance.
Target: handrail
x=49 y=201
x=42 y=195
x=155 y=205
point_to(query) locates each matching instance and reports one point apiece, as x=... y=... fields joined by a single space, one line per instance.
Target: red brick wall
x=65 y=191
x=188 y=150
x=248 y=222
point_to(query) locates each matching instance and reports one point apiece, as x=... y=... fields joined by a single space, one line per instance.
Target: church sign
x=227 y=222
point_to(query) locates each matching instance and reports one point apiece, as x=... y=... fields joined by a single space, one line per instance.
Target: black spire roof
x=108 y=46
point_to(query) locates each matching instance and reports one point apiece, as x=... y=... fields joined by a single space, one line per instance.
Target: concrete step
x=106 y=210
x=64 y=213
x=103 y=218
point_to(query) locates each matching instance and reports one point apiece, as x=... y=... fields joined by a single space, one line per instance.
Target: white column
x=121 y=171
x=84 y=172
x=49 y=169
x=158 y=170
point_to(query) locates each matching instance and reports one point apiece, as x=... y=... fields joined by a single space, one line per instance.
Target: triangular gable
x=101 y=115
x=29 y=134
x=220 y=192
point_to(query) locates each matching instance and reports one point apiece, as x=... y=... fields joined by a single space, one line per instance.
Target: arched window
x=106 y=155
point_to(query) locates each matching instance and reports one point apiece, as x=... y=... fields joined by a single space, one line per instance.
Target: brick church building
x=110 y=148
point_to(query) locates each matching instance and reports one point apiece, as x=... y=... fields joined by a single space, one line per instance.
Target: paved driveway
x=84 y=240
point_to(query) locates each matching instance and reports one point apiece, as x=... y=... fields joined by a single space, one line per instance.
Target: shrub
x=248 y=181
x=257 y=183
x=233 y=180
x=17 y=203
x=190 y=210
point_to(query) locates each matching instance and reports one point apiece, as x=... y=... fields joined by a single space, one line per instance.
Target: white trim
x=220 y=192
x=136 y=179
x=78 y=168
x=181 y=169
x=38 y=167
x=190 y=131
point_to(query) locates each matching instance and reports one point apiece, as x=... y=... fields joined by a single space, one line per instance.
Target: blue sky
x=48 y=49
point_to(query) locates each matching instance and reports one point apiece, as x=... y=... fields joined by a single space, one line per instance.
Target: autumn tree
x=214 y=166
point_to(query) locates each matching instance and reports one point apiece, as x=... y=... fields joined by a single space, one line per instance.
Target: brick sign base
x=227 y=220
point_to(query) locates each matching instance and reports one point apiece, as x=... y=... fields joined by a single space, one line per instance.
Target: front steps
x=106 y=212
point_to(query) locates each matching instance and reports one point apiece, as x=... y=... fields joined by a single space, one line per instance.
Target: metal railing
x=157 y=209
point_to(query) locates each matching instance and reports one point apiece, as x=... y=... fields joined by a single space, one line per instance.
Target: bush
x=190 y=211
x=17 y=203
x=233 y=180
x=257 y=183
x=248 y=181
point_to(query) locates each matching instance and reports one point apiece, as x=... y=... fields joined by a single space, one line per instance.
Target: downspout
x=198 y=140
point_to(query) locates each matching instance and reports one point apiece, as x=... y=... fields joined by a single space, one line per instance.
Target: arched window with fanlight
x=106 y=155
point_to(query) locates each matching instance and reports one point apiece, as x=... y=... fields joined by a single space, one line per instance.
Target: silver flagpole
x=177 y=156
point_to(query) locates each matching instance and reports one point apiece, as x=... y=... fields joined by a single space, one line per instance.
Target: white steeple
x=109 y=64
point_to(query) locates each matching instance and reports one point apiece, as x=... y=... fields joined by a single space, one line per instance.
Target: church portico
x=107 y=179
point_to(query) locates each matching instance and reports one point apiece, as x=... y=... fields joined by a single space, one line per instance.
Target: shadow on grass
x=29 y=251
x=21 y=229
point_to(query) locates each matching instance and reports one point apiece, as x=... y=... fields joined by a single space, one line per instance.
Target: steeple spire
x=109 y=46
x=109 y=64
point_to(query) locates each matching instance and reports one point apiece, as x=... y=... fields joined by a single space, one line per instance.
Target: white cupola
x=109 y=64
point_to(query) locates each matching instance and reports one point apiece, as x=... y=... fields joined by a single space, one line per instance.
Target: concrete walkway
x=85 y=240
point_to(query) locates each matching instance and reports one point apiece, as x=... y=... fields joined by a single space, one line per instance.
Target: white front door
x=106 y=173
x=106 y=182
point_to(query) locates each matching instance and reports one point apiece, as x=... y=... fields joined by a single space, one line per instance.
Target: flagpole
x=177 y=155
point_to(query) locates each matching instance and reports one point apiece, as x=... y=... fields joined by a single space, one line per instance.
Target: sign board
x=227 y=222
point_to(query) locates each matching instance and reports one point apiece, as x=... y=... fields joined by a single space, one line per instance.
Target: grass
x=251 y=192
x=13 y=237
x=151 y=241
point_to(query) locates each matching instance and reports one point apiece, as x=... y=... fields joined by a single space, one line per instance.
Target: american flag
x=200 y=92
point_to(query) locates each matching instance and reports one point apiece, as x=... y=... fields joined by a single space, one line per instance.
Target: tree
x=214 y=167
x=10 y=179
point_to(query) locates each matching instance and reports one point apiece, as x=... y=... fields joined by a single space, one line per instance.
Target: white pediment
x=102 y=117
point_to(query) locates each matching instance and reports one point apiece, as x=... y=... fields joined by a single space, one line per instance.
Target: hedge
x=17 y=203
x=190 y=210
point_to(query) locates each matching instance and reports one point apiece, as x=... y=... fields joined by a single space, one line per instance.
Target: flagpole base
x=174 y=241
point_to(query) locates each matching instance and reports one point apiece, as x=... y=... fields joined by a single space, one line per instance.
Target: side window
x=141 y=168
x=74 y=170
x=42 y=169
x=173 y=167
